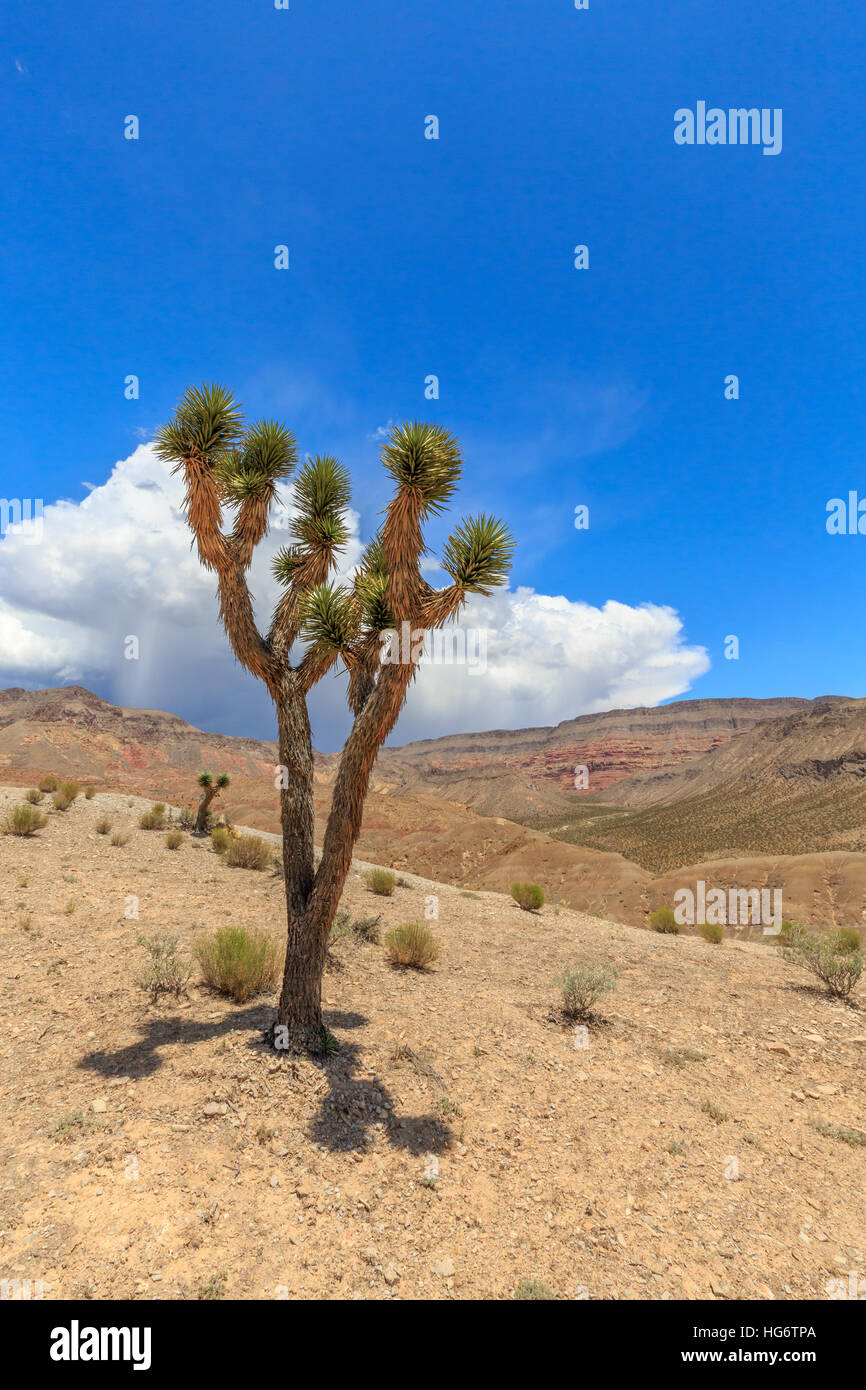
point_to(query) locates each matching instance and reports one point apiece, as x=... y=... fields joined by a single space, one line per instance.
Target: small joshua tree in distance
x=228 y=463
x=210 y=789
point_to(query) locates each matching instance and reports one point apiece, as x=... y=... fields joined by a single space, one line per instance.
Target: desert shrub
x=103 y=825
x=528 y=896
x=380 y=881
x=70 y=1126
x=24 y=820
x=678 y=1056
x=89 y=793
x=663 y=920
x=119 y=838
x=219 y=838
x=70 y=789
x=583 y=986
x=154 y=819
x=248 y=852
x=412 y=944
x=174 y=839
x=238 y=961
x=166 y=970
x=362 y=928
x=48 y=783
x=838 y=970
x=711 y=931
x=714 y=1111
x=855 y=1137
x=530 y=1290
x=186 y=818
x=846 y=939
x=366 y=929
x=61 y=801
x=34 y=796
x=787 y=932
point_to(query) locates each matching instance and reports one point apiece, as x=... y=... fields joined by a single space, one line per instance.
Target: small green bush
x=362 y=928
x=70 y=790
x=89 y=793
x=845 y=940
x=531 y=1290
x=154 y=819
x=714 y=1111
x=166 y=971
x=412 y=944
x=248 y=852
x=380 y=881
x=583 y=986
x=34 y=796
x=239 y=962
x=711 y=931
x=528 y=896
x=855 y=1137
x=838 y=970
x=663 y=920
x=103 y=825
x=48 y=783
x=219 y=838
x=174 y=839
x=119 y=838
x=787 y=933
x=24 y=820
x=61 y=801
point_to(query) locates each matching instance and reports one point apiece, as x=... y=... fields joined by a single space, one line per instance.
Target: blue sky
x=454 y=257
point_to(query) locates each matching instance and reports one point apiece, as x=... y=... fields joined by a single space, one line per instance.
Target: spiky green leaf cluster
x=373 y=560
x=478 y=554
x=267 y=452
x=372 y=593
x=270 y=448
x=322 y=493
x=329 y=619
x=425 y=458
x=371 y=588
x=285 y=563
x=206 y=424
x=205 y=779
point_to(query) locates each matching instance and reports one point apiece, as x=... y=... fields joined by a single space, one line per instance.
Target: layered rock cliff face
x=529 y=772
x=743 y=793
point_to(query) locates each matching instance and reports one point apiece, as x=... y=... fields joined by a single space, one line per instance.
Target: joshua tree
x=210 y=789
x=228 y=463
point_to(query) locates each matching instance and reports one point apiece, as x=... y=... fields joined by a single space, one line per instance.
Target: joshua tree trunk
x=298 y=1026
x=204 y=803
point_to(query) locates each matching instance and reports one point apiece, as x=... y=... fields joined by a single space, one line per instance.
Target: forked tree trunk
x=311 y=906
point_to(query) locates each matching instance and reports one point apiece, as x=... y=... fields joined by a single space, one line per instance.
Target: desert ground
x=462 y=1140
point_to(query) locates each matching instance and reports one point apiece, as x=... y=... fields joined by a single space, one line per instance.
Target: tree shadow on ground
x=353 y=1108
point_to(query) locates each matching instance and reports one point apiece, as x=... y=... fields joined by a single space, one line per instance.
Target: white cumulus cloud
x=119 y=564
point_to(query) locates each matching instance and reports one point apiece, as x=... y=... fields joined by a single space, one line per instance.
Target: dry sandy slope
x=553 y=1163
